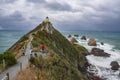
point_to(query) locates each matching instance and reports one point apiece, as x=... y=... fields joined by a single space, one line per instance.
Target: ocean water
x=101 y=66
x=112 y=38
x=8 y=38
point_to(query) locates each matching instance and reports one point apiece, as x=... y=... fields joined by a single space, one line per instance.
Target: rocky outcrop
x=92 y=76
x=73 y=40
x=102 y=43
x=83 y=38
x=69 y=36
x=86 y=53
x=46 y=25
x=99 y=52
x=76 y=35
x=114 y=65
x=92 y=42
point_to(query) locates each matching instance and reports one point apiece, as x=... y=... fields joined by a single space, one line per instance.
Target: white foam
x=102 y=65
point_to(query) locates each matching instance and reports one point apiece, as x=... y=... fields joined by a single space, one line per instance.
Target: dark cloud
x=52 y=5
x=110 y=24
x=37 y=1
x=58 y=7
x=7 y=1
x=73 y=15
x=14 y=21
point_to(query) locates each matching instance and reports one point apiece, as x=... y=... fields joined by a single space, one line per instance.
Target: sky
x=98 y=15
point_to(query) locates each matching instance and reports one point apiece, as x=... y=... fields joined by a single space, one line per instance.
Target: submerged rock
x=114 y=65
x=69 y=36
x=76 y=35
x=102 y=43
x=99 y=52
x=92 y=42
x=83 y=38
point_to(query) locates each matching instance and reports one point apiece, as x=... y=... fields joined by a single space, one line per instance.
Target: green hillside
x=65 y=62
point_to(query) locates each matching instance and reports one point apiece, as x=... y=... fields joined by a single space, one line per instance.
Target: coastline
x=56 y=49
x=101 y=65
x=88 y=48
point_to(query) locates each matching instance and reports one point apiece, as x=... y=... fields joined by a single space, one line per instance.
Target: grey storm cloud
x=13 y=21
x=65 y=15
x=7 y=1
x=59 y=7
x=53 y=5
x=37 y=1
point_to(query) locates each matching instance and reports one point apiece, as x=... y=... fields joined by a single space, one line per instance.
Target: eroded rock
x=92 y=42
x=99 y=52
x=114 y=65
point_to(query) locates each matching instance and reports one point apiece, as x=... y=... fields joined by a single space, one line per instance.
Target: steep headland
x=62 y=59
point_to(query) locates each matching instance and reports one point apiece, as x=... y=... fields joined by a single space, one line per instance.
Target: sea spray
x=101 y=65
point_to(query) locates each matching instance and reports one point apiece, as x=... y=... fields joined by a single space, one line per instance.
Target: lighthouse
x=46 y=20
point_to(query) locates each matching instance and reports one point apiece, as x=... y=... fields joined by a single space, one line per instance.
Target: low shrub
x=9 y=59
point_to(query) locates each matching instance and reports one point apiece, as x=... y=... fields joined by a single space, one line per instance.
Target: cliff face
x=62 y=61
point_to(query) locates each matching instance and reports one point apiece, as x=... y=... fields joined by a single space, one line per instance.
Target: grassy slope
x=15 y=51
x=66 y=58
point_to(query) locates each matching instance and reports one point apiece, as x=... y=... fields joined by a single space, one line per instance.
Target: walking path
x=16 y=68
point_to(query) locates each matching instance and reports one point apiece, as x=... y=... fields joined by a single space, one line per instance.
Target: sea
x=9 y=37
x=101 y=67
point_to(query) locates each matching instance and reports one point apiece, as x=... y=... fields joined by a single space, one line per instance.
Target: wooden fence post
x=3 y=63
x=7 y=74
x=20 y=66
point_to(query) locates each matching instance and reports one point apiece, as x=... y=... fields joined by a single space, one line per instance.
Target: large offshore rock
x=83 y=38
x=92 y=42
x=114 y=65
x=99 y=52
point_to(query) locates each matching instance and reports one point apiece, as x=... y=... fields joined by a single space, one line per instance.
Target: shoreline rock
x=73 y=40
x=69 y=36
x=76 y=35
x=92 y=76
x=102 y=43
x=92 y=42
x=114 y=65
x=99 y=52
x=86 y=53
x=83 y=38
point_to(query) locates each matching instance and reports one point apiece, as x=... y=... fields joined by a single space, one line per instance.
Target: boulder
x=92 y=42
x=99 y=52
x=102 y=43
x=114 y=65
x=69 y=36
x=76 y=35
x=73 y=40
x=83 y=38
x=86 y=53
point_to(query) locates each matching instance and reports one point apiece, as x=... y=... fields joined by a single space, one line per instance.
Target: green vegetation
x=9 y=59
x=34 y=43
x=16 y=48
x=80 y=48
x=67 y=61
x=56 y=68
x=24 y=38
